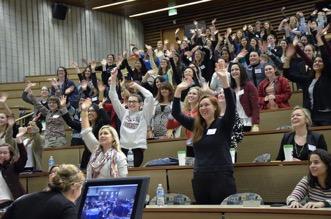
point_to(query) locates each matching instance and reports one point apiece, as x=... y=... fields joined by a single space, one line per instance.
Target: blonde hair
x=187 y=106
x=65 y=176
x=200 y=123
x=306 y=113
x=116 y=142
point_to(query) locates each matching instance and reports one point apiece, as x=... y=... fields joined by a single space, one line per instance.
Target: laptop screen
x=113 y=198
x=110 y=201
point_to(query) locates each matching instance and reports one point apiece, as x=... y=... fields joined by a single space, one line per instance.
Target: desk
x=232 y=212
x=279 y=178
x=157 y=175
x=67 y=155
x=34 y=182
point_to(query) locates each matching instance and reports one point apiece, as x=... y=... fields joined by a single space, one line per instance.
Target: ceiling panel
x=129 y=8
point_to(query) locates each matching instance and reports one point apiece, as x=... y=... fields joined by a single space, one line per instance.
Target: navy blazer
x=313 y=138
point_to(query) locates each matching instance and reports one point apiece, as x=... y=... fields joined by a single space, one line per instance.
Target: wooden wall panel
x=232 y=14
x=33 y=43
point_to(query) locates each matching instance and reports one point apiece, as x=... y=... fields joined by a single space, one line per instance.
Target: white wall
x=33 y=43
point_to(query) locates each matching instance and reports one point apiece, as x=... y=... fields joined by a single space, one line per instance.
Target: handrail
x=25 y=116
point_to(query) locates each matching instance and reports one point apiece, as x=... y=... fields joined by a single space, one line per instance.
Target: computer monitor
x=115 y=198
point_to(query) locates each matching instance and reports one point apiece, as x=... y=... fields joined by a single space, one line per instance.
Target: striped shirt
x=314 y=194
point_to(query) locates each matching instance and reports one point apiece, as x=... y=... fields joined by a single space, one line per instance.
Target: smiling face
x=253 y=42
x=193 y=96
x=207 y=109
x=188 y=73
x=159 y=45
x=105 y=137
x=271 y=40
x=239 y=34
x=44 y=92
x=133 y=104
x=3 y=119
x=92 y=115
x=4 y=154
x=87 y=72
x=283 y=44
x=61 y=73
x=266 y=25
x=221 y=97
x=52 y=105
x=165 y=92
x=198 y=55
x=318 y=64
x=110 y=59
x=137 y=65
x=254 y=58
x=298 y=119
x=316 y=167
x=164 y=64
x=243 y=42
x=269 y=71
x=309 y=51
x=235 y=71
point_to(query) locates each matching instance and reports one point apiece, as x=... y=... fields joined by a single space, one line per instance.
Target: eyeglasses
x=133 y=101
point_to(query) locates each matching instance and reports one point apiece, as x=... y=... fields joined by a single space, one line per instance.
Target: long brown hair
x=200 y=123
x=167 y=86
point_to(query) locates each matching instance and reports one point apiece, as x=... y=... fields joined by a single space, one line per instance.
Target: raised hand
x=195 y=23
x=69 y=90
x=3 y=97
x=295 y=41
x=177 y=30
x=63 y=101
x=28 y=86
x=11 y=121
x=86 y=104
x=21 y=132
x=74 y=64
x=93 y=65
x=242 y=54
x=186 y=83
x=103 y=62
x=213 y=21
x=54 y=82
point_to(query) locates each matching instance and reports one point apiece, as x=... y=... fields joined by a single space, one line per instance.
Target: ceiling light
x=112 y=4
x=168 y=8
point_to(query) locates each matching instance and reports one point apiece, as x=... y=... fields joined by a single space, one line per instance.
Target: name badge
x=258 y=71
x=311 y=147
x=94 y=99
x=202 y=67
x=211 y=131
x=241 y=92
x=55 y=116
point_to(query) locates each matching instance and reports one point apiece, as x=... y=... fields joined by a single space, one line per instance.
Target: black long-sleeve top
x=212 y=151
x=314 y=141
x=134 y=75
x=10 y=172
x=103 y=119
x=322 y=88
x=106 y=74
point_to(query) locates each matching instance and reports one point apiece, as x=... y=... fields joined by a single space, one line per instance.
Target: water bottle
x=51 y=162
x=130 y=158
x=160 y=195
